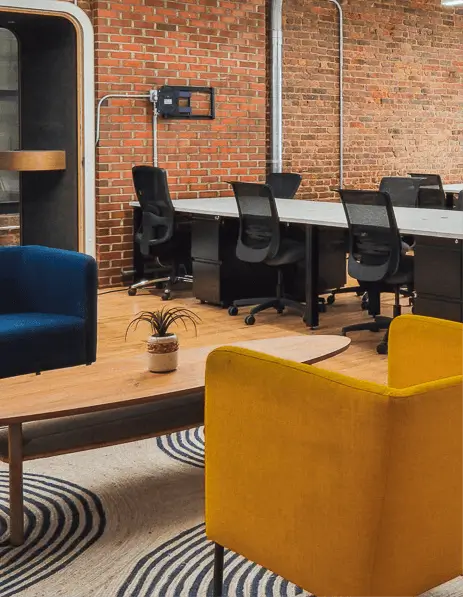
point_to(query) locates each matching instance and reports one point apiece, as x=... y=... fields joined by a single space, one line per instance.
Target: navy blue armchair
x=48 y=309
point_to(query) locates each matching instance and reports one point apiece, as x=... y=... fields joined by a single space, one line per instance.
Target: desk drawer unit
x=219 y=277
x=439 y=278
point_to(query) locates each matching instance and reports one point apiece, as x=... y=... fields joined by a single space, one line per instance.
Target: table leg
x=311 y=276
x=15 y=458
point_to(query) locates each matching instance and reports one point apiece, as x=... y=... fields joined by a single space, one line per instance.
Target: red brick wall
x=144 y=44
x=403 y=91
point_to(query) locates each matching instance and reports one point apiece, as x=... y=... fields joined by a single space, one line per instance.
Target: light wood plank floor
x=361 y=360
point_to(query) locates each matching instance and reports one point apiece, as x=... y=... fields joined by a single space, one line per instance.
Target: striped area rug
x=124 y=521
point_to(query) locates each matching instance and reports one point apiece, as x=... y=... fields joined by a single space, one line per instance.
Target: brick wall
x=143 y=44
x=403 y=91
x=403 y=82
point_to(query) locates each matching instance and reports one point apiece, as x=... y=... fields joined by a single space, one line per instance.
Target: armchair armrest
x=423 y=349
x=293 y=460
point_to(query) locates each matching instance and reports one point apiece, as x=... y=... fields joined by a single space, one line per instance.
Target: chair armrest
x=293 y=461
x=423 y=349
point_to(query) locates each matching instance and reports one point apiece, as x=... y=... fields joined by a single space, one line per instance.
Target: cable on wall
x=152 y=96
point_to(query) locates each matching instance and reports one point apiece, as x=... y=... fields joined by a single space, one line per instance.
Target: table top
x=418 y=222
x=116 y=382
x=453 y=188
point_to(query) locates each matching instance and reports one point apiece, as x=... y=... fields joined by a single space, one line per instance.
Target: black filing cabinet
x=439 y=277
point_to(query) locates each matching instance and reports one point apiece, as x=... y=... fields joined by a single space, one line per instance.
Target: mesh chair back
x=431 y=194
x=402 y=190
x=459 y=202
x=284 y=184
x=259 y=235
x=374 y=241
x=157 y=223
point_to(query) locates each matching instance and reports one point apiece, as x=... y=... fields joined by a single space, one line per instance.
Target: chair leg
x=15 y=458
x=218 y=570
x=273 y=303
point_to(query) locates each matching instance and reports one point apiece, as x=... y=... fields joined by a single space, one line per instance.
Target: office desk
x=438 y=252
x=219 y=277
x=453 y=188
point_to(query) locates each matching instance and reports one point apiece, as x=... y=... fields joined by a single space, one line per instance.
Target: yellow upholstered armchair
x=342 y=487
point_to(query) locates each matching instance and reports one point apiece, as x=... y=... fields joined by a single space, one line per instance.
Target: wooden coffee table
x=116 y=400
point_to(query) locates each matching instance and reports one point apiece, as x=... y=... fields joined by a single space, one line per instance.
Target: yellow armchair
x=342 y=487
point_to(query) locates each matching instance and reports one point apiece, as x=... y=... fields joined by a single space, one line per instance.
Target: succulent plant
x=161 y=320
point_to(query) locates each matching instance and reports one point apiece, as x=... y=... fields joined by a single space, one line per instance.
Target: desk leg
x=15 y=457
x=311 y=276
x=138 y=259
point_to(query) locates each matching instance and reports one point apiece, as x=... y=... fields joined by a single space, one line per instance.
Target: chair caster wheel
x=280 y=311
x=343 y=333
x=364 y=306
x=250 y=320
x=132 y=291
x=381 y=348
x=233 y=310
x=331 y=299
x=166 y=296
x=202 y=302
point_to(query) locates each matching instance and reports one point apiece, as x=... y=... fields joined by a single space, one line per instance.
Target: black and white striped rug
x=123 y=521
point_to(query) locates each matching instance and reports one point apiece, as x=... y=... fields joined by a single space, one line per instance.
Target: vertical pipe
x=341 y=93
x=154 y=99
x=277 y=86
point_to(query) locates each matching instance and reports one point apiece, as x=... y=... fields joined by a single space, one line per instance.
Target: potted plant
x=163 y=345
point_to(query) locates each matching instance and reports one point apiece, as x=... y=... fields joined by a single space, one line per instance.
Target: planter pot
x=162 y=353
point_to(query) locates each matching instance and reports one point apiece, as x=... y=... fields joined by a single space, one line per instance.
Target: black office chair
x=431 y=194
x=284 y=184
x=459 y=202
x=402 y=190
x=376 y=259
x=259 y=241
x=156 y=235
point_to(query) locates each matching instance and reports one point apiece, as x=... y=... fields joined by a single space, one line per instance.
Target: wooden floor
x=361 y=360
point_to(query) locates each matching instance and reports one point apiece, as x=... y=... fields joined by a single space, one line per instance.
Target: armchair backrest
x=342 y=487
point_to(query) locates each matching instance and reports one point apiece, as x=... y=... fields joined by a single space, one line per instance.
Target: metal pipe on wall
x=341 y=92
x=152 y=96
x=277 y=87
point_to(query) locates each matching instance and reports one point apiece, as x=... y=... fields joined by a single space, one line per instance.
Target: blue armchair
x=48 y=309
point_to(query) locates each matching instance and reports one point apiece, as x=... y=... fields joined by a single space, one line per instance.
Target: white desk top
x=418 y=222
x=453 y=188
